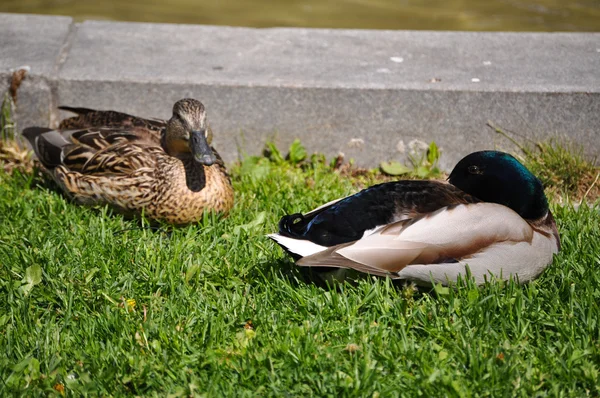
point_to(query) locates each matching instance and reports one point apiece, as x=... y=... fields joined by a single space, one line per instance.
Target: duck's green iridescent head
x=498 y=177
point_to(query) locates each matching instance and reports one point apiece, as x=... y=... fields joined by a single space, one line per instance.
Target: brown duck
x=165 y=169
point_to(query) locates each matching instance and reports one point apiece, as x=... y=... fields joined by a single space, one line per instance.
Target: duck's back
x=145 y=129
x=347 y=219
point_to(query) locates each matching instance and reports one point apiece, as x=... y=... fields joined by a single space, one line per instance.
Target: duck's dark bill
x=202 y=152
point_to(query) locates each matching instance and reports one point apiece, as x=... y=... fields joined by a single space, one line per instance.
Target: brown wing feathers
x=103 y=138
x=122 y=158
x=82 y=150
x=90 y=118
x=90 y=150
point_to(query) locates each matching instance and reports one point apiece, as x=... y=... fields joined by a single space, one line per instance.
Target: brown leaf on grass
x=352 y=348
x=60 y=388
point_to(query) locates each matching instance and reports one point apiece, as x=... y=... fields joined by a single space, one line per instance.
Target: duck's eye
x=177 y=118
x=475 y=170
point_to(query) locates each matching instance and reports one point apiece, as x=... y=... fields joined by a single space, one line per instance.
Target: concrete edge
x=371 y=118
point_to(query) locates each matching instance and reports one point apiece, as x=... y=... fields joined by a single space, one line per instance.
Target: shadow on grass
x=332 y=279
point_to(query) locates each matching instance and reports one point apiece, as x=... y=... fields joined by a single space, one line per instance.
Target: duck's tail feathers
x=78 y=111
x=48 y=145
x=31 y=133
x=297 y=247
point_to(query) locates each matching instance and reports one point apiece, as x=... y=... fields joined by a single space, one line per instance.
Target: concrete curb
x=361 y=92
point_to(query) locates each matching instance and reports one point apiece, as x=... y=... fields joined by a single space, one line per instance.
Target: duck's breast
x=185 y=190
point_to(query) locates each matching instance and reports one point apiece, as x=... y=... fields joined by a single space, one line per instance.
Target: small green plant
x=297 y=153
x=7 y=124
x=259 y=166
x=424 y=164
x=272 y=153
x=561 y=166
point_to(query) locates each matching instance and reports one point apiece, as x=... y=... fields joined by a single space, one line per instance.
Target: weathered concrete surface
x=330 y=86
x=358 y=92
x=283 y=57
x=35 y=41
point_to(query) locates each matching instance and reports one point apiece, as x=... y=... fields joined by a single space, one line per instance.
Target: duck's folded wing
x=88 y=118
x=103 y=137
x=117 y=159
x=93 y=150
x=445 y=236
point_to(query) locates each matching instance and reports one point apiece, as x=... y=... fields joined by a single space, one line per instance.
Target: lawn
x=92 y=303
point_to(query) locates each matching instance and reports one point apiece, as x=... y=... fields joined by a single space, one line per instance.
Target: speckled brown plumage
x=91 y=118
x=164 y=169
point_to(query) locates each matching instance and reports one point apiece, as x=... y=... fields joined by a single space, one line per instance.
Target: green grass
x=7 y=125
x=564 y=169
x=560 y=164
x=218 y=310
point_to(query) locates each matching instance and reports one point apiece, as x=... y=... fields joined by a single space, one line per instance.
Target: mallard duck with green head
x=491 y=217
x=166 y=170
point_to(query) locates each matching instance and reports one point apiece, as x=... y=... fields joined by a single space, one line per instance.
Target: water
x=479 y=15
